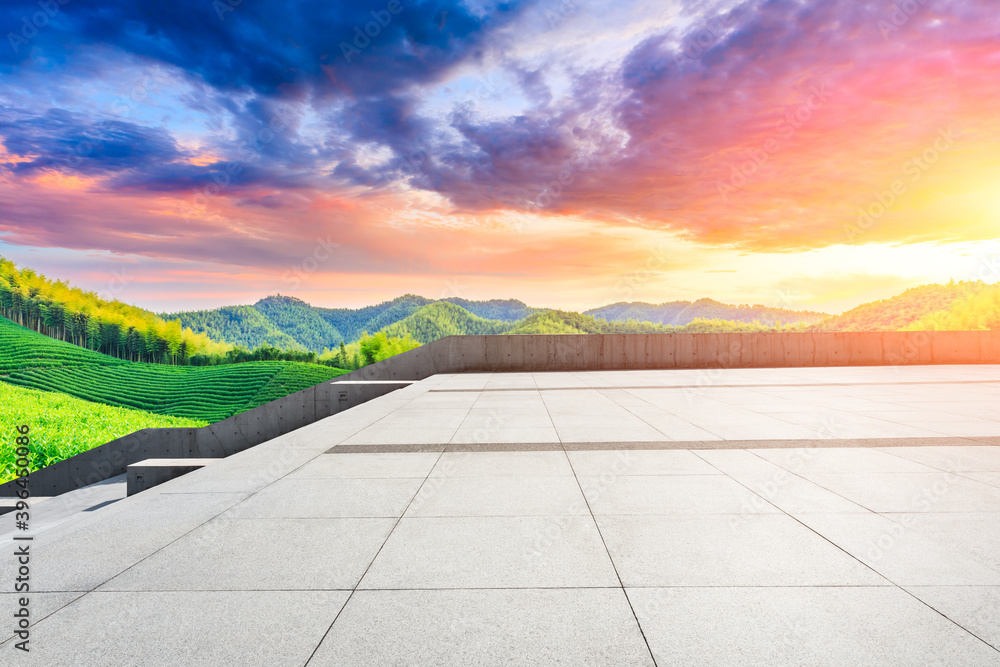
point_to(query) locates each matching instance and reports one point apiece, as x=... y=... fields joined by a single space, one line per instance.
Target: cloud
x=58 y=139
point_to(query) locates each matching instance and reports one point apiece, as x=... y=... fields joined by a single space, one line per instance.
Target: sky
x=805 y=154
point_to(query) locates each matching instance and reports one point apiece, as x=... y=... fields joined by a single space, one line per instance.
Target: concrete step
x=153 y=472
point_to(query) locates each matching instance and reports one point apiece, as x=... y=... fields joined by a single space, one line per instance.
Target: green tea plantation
x=203 y=393
x=63 y=426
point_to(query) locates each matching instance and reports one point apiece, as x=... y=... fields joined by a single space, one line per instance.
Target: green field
x=63 y=426
x=207 y=394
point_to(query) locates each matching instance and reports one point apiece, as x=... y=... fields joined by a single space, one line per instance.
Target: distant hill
x=680 y=313
x=905 y=310
x=441 y=319
x=979 y=309
x=560 y=321
x=243 y=324
x=290 y=323
x=506 y=310
x=351 y=323
x=300 y=321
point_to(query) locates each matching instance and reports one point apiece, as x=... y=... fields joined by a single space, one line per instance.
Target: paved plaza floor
x=820 y=516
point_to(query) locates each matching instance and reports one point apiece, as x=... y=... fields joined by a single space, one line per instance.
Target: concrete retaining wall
x=531 y=353
x=571 y=352
x=216 y=440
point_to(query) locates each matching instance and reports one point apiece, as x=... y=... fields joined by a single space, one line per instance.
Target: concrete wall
x=216 y=440
x=570 y=352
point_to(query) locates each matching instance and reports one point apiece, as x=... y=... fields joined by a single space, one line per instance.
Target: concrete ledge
x=664 y=444
x=153 y=472
x=217 y=440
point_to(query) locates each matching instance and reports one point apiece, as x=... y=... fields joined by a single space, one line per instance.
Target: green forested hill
x=506 y=310
x=680 y=313
x=441 y=319
x=351 y=323
x=300 y=321
x=559 y=321
x=243 y=324
x=289 y=323
x=905 y=310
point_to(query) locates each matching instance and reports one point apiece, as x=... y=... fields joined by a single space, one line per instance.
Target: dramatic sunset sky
x=569 y=153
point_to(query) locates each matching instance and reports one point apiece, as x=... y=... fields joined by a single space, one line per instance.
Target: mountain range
x=290 y=323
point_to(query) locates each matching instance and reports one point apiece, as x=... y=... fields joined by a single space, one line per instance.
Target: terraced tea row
x=205 y=393
x=63 y=426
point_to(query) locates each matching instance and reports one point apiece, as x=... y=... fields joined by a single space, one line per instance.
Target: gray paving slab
x=50 y=512
x=40 y=605
x=646 y=462
x=991 y=478
x=83 y=554
x=953 y=459
x=486 y=627
x=400 y=436
x=776 y=485
x=633 y=431
x=519 y=417
x=241 y=474
x=500 y=435
x=839 y=460
x=911 y=492
x=500 y=561
x=367 y=466
x=329 y=498
x=899 y=552
x=261 y=554
x=671 y=494
x=502 y=464
x=492 y=552
x=416 y=417
x=974 y=534
x=498 y=496
x=733 y=550
x=266 y=628
x=801 y=626
x=975 y=608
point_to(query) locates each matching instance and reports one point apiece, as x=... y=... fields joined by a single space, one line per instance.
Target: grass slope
x=209 y=394
x=63 y=426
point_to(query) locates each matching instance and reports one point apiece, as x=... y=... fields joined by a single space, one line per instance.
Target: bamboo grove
x=66 y=313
